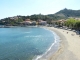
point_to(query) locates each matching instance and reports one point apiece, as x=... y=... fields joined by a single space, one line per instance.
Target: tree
x=77 y=25
x=70 y=23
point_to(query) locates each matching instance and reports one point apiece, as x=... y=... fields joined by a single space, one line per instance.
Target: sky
x=10 y=8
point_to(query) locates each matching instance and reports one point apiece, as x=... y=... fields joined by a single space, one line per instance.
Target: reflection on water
x=23 y=43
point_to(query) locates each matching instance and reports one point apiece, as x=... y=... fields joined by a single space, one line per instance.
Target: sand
x=69 y=46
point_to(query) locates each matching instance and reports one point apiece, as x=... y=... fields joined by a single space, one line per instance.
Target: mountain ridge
x=62 y=14
x=68 y=13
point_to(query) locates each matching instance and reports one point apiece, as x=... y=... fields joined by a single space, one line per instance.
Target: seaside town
x=69 y=23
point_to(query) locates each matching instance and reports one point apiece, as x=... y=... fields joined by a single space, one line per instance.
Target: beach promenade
x=69 y=46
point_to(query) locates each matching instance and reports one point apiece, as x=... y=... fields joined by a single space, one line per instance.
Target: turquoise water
x=24 y=43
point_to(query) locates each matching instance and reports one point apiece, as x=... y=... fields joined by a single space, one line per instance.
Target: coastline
x=69 y=46
x=52 y=49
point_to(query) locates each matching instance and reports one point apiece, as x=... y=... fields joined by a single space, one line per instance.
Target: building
x=41 y=22
x=26 y=22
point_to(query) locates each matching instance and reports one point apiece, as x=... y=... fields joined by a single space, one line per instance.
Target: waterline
x=56 y=38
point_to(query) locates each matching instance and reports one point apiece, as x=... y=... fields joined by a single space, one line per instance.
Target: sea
x=26 y=43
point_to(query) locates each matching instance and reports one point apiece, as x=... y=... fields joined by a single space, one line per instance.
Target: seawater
x=24 y=43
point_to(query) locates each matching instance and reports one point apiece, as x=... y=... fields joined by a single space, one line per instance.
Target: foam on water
x=34 y=36
x=56 y=37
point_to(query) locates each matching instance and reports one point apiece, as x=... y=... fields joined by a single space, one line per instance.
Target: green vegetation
x=70 y=23
x=68 y=13
x=73 y=23
x=62 y=14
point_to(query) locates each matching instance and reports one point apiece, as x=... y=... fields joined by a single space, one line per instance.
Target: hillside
x=68 y=13
x=65 y=13
x=62 y=14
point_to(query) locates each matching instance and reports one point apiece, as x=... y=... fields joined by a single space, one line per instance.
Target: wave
x=27 y=32
x=34 y=36
x=56 y=37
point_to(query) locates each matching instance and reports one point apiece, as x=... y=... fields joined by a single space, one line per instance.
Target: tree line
x=70 y=23
x=73 y=23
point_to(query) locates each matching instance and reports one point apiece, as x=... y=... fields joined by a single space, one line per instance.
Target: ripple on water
x=10 y=59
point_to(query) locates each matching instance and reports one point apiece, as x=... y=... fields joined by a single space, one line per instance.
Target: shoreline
x=69 y=45
x=54 y=46
x=61 y=47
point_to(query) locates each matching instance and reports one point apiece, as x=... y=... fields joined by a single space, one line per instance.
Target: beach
x=69 y=48
x=66 y=46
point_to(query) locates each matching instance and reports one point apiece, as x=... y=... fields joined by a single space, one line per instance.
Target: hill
x=68 y=13
x=62 y=14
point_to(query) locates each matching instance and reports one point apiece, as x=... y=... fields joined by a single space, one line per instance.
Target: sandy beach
x=69 y=46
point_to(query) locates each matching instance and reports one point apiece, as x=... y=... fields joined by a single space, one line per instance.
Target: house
x=26 y=22
x=33 y=23
x=41 y=22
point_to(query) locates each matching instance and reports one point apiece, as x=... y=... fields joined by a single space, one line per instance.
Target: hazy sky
x=9 y=8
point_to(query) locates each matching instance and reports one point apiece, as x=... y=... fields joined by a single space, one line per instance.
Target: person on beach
x=67 y=32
